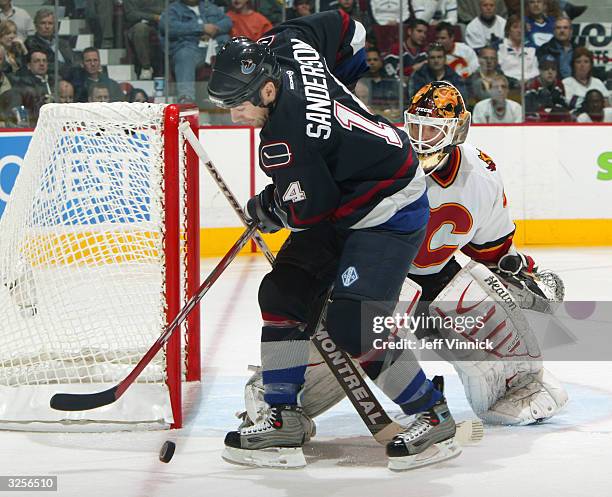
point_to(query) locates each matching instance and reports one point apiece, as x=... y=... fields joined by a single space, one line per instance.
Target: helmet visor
x=226 y=92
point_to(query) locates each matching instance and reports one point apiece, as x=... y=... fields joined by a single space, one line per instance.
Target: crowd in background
x=507 y=67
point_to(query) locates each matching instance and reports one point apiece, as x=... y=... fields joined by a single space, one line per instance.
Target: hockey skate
x=429 y=439
x=275 y=442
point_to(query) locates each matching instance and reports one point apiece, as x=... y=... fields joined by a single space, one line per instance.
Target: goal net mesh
x=82 y=248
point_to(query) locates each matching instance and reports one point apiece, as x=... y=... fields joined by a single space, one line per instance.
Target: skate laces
x=271 y=420
x=421 y=425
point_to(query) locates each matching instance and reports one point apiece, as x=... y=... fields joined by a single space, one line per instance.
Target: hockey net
x=98 y=251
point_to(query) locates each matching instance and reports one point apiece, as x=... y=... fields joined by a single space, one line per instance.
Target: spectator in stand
x=99 y=16
x=82 y=78
x=387 y=12
x=511 y=51
x=383 y=90
x=247 y=22
x=415 y=56
x=35 y=73
x=594 y=109
x=65 y=92
x=270 y=9
x=554 y=8
x=436 y=11
x=539 y=26
x=351 y=7
x=487 y=29
x=14 y=48
x=436 y=70
x=6 y=82
x=497 y=109
x=560 y=47
x=19 y=107
x=98 y=92
x=581 y=79
x=44 y=40
x=480 y=82
x=142 y=20
x=138 y=95
x=21 y=18
x=468 y=10
x=301 y=8
x=198 y=29
x=545 y=95
x=461 y=58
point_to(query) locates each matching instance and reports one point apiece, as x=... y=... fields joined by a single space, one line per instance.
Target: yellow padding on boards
x=564 y=232
x=552 y=232
x=92 y=248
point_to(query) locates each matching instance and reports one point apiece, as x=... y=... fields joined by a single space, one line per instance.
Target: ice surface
x=568 y=456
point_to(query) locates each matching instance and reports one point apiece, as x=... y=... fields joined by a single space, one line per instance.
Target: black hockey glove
x=261 y=209
x=533 y=289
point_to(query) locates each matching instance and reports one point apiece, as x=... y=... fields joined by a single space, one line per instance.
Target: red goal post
x=177 y=151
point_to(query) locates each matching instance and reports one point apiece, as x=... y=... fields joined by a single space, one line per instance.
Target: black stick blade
x=83 y=401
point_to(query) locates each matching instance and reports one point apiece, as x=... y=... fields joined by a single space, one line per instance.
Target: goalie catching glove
x=263 y=210
x=531 y=288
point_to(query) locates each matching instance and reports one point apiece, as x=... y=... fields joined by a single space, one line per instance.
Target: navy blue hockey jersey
x=328 y=156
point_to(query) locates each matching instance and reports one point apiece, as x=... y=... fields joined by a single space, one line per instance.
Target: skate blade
x=439 y=452
x=470 y=431
x=273 y=457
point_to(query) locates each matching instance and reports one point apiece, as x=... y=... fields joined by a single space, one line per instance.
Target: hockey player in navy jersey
x=507 y=384
x=347 y=184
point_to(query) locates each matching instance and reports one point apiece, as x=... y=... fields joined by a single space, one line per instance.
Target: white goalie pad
x=535 y=398
x=490 y=340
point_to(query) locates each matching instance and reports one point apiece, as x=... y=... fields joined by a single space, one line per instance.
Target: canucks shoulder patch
x=274 y=155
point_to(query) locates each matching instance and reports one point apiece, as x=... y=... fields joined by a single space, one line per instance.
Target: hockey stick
x=86 y=401
x=373 y=414
x=201 y=153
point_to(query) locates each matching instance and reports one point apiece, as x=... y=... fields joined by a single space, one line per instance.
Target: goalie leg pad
x=512 y=350
x=536 y=398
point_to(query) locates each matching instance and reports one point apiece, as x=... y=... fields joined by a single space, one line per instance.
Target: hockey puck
x=167 y=451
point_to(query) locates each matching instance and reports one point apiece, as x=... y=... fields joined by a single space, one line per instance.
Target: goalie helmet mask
x=436 y=122
x=241 y=68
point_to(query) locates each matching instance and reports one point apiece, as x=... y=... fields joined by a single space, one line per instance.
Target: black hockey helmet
x=241 y=68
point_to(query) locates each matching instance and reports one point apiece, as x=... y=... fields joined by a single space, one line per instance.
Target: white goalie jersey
x=468 y=211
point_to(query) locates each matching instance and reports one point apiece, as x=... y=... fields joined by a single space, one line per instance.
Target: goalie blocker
x=504 y=384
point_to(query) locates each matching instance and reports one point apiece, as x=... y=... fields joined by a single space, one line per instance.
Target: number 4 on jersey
x=294 y=193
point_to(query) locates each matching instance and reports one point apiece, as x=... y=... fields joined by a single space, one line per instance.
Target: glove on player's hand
x=260 y=209
x=533 y=289
x=517 y=268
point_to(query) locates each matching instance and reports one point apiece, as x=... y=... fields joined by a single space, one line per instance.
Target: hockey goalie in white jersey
x=507 y=383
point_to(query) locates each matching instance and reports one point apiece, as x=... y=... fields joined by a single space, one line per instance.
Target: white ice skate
x=276 y=441
x=429 y=439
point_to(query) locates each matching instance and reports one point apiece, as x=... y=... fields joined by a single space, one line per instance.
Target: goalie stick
x=86 y=401
x=373 y=414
